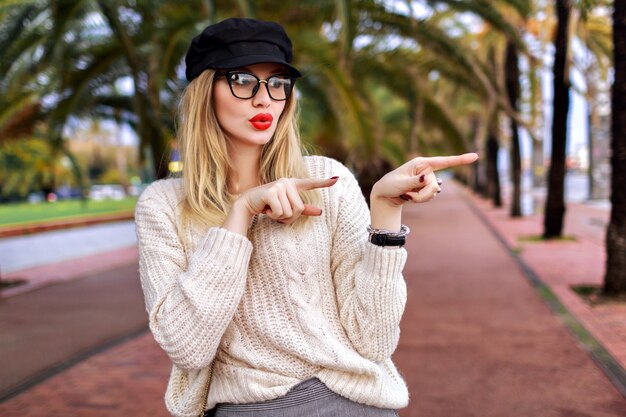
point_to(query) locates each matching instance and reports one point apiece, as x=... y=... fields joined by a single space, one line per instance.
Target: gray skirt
x=309 y=398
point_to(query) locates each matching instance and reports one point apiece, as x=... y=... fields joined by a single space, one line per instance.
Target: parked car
x=65 y=192
x=35 y=198
x=104 y=191
x=135 y=190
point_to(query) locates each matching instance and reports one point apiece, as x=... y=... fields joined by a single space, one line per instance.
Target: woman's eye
x=278 y=82
x=242 y=79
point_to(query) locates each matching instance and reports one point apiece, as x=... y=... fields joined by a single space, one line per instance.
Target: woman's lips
x=262 y=121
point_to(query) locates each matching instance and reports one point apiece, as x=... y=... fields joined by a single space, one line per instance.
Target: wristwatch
x=381 y=237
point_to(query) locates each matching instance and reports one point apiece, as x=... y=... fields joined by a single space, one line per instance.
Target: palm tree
x=20 y=94
x=512 y=88
x=352 y=82
x=32 y=60
x=615 y=277
x=555 y=202
x=509 y=16
x=493 y=178
x=152 y=50
x=513 y=91
x=593 y=29
x=458 y=65
x=97 y=44
x=540 y=26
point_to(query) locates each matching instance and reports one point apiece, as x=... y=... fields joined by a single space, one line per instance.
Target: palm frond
x=486 y=11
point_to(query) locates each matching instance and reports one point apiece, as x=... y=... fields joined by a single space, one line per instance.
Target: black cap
x=238 y=42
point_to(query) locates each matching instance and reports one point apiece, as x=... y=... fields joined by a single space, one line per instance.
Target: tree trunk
x=369 y=172
x=476 y=181
x=512 y=88
x=598 y=139
x=555 y=202
x=161 y=154
x=590 y=148
x=538 y=165
x=152 y=136
x=537 y=162
x=481 y=131
x=615 y=278
x=416 y=125
x=146 y=101
x=493 y=178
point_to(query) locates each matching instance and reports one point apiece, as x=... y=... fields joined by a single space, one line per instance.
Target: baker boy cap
x=237 y=42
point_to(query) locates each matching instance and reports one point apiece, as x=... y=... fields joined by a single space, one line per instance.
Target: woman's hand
x=280 y=200
x=415 y=180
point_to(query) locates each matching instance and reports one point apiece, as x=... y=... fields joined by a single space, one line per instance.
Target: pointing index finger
x=306 y=184
x=443 y=162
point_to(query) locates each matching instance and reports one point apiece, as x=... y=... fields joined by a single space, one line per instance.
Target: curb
x=613 y=370
x=28 y=229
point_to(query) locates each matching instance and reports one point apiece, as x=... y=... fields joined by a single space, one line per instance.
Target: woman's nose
x=262 y=97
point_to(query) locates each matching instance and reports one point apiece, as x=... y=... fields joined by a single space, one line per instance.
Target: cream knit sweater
x=275 y=308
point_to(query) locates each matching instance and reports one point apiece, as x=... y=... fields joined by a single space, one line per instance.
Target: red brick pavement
x=477 y=338
x=562 y=265
x=125 y=380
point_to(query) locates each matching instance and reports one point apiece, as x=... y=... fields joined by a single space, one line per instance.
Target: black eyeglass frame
x=227 y=75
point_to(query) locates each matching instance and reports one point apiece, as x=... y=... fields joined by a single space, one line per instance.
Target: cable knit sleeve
x=190 y=297
x=371 y=291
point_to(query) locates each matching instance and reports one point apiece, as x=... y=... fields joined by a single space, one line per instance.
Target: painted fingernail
x=422 y=178
x=335 y=177
x=405 y=197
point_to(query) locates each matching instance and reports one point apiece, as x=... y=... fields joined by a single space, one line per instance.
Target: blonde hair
x=206 y=164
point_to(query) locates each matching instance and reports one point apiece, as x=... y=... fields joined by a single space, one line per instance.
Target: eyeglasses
x=245 y=85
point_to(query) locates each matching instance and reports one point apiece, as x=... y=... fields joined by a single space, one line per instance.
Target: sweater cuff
x=226 y=247
x=382 y=267
x=225 y=254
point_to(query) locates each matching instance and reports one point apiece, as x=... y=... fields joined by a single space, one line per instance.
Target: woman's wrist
x=384 y=213
x=239 y=218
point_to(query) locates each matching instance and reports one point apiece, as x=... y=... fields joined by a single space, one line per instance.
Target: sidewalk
x=562 y=265
x=477 y=337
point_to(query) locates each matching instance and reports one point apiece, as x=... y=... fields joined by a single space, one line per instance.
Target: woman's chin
x=262 y=137
x=252 y=140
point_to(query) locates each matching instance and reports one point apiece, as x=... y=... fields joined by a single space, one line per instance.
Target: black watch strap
x=387 y=240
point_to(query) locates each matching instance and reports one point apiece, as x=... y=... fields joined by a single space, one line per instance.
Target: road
x=50 y=247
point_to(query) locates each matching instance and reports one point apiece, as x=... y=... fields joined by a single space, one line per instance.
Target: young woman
x=268 y=282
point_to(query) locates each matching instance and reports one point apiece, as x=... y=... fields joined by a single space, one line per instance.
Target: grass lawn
x=25 y=213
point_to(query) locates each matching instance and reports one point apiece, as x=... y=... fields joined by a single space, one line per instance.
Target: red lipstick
x=262 y=121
